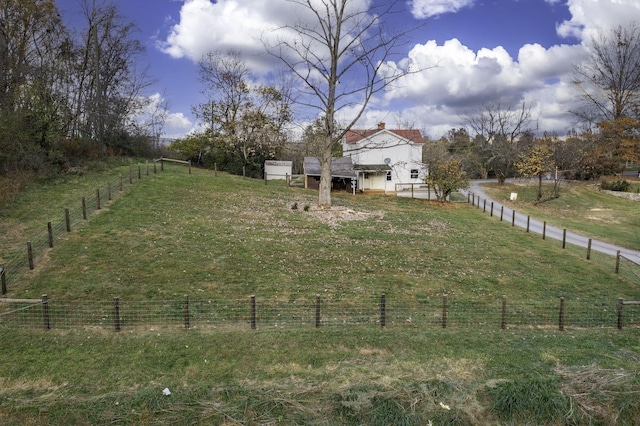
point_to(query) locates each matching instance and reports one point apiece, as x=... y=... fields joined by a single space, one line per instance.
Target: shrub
x=616 y=185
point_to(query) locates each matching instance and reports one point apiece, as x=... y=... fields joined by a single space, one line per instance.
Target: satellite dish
x=387 y=160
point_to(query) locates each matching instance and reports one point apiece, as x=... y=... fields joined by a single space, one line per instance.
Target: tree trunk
x=324 y=195
x=539 y=187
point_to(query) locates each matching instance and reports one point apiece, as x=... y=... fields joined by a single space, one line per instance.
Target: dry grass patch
x=594 y=391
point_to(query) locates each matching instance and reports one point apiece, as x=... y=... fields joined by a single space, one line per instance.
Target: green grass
x=227 y=238
x=581 y=207
x=320 y=377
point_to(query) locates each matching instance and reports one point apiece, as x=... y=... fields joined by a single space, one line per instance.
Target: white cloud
x=456 y=79
x=177 y=124
x=538 y=63
x=422 y=9
x=455 y=75
x=590 y=16
x=155 y=117
x=242 y=25
x=226 y=24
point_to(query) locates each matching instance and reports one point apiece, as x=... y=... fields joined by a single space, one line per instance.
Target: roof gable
x=412 y=135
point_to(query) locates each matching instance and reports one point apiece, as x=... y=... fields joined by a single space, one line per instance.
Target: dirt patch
x=628 y=195
x=335 y=215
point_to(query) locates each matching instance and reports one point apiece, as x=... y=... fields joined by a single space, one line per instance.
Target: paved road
x=537 y=226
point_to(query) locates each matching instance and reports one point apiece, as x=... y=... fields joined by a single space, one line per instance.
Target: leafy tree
x=197 y=148
x=56 y=86
x=445 y=172
x=30 y=121
x=339 y=50
x=596 y=161
x=248 y=119
x=537 y=161
x=446 y=177
x=621 y=138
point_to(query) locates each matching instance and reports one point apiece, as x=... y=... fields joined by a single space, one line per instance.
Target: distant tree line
x=69 y=94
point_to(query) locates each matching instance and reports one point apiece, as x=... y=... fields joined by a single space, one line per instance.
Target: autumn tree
x=447 y=177
x=248 y=118
x=445 y=172
x=621 y=139
x=339 y=50
x=536 y=162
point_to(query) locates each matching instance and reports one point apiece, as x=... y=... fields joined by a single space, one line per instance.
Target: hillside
x=224 y=238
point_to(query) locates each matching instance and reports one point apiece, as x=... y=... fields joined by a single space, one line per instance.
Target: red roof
x=413 y=135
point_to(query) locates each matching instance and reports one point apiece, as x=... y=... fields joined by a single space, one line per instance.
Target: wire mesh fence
x=16 y=264
x=256 y=313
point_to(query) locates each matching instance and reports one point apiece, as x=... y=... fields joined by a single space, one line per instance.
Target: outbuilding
x=343 y=176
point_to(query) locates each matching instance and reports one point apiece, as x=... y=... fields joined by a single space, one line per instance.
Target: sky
x=471 y=53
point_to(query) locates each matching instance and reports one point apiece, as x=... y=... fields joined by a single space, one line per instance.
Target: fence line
x=17 y=264
x=256 y=313
x=475 y=201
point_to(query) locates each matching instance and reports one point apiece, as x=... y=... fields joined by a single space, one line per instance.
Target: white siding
x=386 y=147
x=277 y=169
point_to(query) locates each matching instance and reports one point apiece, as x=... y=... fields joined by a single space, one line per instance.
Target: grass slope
x=581 y=207
x=226 y=237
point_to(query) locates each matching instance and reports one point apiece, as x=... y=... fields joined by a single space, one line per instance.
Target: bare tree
x=109 y=85
x=609 y=82
x=339 y=50
x=502 y=132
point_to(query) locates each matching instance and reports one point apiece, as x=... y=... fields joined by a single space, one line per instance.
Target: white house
x=385 y=157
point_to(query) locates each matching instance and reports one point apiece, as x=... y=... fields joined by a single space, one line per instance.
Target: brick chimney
x=380 y=126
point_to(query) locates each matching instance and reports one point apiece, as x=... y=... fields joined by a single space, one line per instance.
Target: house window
x=389 y=175
x=366 y=175
x=414 y=173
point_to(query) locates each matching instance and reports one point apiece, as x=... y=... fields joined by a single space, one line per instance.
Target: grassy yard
x=224 y=237
x=581 y=207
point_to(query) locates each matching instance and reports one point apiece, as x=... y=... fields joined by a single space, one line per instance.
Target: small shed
x=343 y=176
x=277 y=170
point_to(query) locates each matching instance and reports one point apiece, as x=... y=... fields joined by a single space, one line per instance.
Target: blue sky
x=487 y=51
